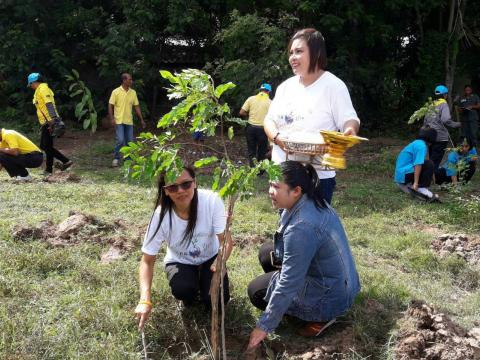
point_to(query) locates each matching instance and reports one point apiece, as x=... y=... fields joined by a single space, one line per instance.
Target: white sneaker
x=23 y=178
x=425 y=192
x=115 y=163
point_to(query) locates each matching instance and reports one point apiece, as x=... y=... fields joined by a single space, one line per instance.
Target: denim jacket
x=318 y=279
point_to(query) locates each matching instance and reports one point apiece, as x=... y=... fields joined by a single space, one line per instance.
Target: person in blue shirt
x=311 y=273
x=460 y=166
x=413 y=169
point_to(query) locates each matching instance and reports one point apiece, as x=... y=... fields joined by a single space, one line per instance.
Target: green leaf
x=79 y=108
x=230 y=132
x=169 y=76
x=222 y=88
x=237 y=120
x=78 y=92
x=86 y=123
x=75 y=73
x=205 y=161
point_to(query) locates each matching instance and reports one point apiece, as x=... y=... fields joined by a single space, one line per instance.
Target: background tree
x=390 y=53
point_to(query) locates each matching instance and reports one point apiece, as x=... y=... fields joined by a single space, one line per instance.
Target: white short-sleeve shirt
x=204 y=244
x=323 y=105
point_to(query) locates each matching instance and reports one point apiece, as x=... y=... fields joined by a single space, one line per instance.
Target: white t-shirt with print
x=323 y=105
x=204 y=244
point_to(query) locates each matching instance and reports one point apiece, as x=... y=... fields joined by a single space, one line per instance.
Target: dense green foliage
x=390 y=53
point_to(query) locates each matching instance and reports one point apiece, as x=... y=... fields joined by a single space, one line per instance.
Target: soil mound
x=427 y=335
x=79 y=228
x=63 y=177
x=460 y=245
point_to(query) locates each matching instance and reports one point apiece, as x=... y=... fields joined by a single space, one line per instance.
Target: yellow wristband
x=146 y=302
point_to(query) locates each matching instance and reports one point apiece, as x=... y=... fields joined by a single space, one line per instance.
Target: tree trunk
x=455 y=30
x=153 y=113
x=419 y=24
x=216 y=290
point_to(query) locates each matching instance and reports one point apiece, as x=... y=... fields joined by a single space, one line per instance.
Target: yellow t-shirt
x=122 y=102
x=257 y=108
x=14 y=140
x=43 y=95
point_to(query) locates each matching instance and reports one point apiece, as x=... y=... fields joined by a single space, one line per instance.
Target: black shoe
x=66 y=165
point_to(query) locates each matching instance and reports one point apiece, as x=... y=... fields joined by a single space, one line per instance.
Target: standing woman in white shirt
x=312 y=100
x=191 y=222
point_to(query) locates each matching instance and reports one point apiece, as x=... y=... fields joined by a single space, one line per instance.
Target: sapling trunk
x=216 y=290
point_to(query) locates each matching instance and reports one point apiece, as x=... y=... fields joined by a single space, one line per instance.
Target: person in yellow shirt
x=17 y=153
x=43 y=99
x=120 y=106
x=256 y=108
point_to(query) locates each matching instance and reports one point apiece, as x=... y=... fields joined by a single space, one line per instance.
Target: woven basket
x=305 y=148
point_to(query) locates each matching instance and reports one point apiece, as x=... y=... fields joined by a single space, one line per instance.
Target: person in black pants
x=256 y=108
x=17 y=153
x=46 y=144
x=192 y=223
x=413 y=170
x=439 y=120
x=44 y=101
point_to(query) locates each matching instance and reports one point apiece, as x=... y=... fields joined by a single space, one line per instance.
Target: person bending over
x=191 y=222
x=460 y=166
x=17 y=153
x=413 y=169
x=311 y=272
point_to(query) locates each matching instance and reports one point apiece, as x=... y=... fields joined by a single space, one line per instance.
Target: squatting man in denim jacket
x=309 y=270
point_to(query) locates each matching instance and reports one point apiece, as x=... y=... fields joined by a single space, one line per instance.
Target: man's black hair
x=427 y=134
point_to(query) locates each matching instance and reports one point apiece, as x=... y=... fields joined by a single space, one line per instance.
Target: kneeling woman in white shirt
x=191 y=222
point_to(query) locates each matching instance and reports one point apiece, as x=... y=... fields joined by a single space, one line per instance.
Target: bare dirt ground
x=461 y=245
x=78 y=228
x=427 y=334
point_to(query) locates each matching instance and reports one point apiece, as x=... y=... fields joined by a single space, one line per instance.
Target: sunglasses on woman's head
x=184 y=186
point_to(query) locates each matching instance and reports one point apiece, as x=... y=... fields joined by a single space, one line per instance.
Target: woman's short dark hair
x=166 y=206
x=316 y=46
x=427 y=134
x=305 y=176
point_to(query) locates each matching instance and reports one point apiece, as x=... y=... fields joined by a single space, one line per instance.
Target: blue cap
x=441 y=90
x=32 y=78
x=266 y=86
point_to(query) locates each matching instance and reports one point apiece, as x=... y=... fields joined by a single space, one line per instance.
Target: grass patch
x=61 y=303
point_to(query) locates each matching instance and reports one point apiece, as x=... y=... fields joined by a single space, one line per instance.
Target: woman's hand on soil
x=142 y=312
x=256 y=337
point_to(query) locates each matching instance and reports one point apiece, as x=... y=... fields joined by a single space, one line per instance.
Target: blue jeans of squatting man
x=124 y=135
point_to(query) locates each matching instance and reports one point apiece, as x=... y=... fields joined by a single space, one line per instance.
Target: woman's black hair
x=166 y=206
x=316 y=46
x=427 y=134
x=468 y=142
x=305 y=176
